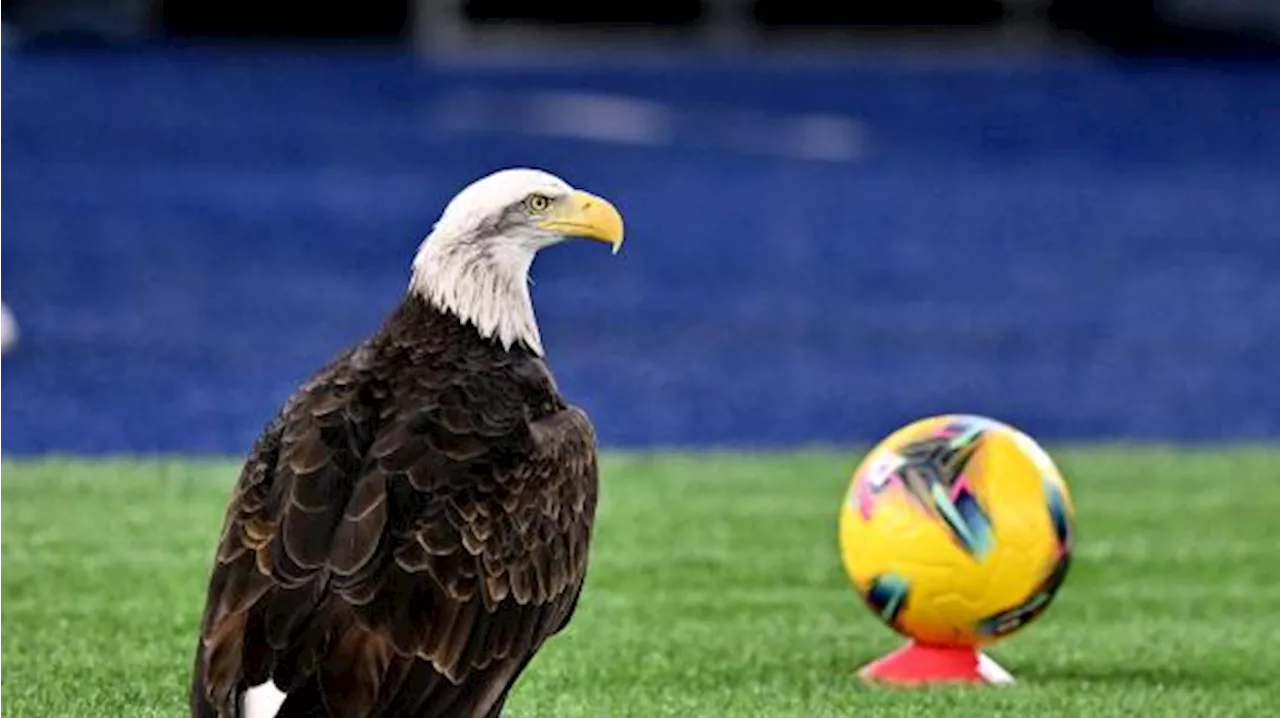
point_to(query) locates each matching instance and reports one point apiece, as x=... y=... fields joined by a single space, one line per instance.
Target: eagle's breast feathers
x=425 y=497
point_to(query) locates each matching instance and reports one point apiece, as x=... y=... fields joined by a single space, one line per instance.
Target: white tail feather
x=263 y=701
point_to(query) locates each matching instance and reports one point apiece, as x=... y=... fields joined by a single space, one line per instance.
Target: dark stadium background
x=1060 y=213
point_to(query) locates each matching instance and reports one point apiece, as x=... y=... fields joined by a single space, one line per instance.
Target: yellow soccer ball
x=957 y=530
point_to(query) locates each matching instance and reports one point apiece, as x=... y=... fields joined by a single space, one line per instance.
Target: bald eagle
x=413 y=524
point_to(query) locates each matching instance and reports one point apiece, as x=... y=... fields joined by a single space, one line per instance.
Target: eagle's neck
x=484 y=285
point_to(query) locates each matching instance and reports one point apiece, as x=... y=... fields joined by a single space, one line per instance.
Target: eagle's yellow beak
x=583 y=214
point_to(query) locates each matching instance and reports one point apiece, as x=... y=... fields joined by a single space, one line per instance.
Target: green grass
x=715 y=590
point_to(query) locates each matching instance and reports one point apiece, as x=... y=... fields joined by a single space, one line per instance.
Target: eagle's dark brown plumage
x=405 y=534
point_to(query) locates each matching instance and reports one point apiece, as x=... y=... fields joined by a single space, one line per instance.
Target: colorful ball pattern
x=957 y=530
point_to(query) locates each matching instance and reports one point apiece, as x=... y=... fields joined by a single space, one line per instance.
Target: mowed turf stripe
x=715 y=589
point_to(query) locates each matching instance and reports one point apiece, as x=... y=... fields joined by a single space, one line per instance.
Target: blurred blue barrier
x=814 y=254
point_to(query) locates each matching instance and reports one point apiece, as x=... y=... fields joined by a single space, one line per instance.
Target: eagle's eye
x=537 y=203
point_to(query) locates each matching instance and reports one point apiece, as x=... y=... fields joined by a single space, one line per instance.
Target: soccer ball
x=957 y=530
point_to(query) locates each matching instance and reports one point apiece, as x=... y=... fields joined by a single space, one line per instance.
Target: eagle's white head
x=475 y=263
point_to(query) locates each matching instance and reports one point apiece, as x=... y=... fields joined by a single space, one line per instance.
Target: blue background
x=1086 y=250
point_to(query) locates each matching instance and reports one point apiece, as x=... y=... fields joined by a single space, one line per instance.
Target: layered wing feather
x=401 y=542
